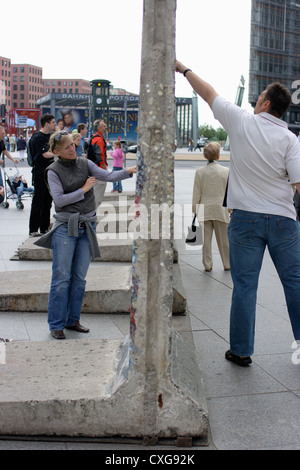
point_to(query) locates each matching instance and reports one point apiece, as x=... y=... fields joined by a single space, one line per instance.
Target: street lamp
x=100 y=100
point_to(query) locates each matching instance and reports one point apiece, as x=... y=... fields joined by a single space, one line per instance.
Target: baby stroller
x=15 y=189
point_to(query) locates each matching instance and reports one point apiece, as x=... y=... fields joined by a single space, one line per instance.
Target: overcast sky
x=102 y=39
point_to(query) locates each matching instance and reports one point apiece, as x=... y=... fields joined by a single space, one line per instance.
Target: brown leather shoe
x=58 y=334
x=78 y=327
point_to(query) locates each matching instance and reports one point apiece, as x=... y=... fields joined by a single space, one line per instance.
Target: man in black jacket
x=39 y=220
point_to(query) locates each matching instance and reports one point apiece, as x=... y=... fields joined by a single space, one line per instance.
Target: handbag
x=195 y=234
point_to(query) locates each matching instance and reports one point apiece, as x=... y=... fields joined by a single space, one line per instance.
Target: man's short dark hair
x=279 y=97
x=46 y=118
x=81 y=126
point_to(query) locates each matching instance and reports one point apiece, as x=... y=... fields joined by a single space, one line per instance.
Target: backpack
x=92 y=155
x=30 y=158
x=89 y=149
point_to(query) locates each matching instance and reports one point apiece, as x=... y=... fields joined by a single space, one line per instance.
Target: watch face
x=98 y=100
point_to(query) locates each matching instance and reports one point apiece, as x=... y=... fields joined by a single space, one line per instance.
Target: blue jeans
x=249 y=233
x=117 y=185
x=71 y=259
x=22 y=189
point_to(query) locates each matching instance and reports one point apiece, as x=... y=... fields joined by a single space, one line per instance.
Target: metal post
x=195 y=124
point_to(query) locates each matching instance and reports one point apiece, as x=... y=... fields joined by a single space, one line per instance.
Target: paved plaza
x=249 y=408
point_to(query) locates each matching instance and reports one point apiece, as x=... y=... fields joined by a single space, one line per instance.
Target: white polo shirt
x=265 y=160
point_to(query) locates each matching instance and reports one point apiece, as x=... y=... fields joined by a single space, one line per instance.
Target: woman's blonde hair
x=58 y=140
x=211 y=151
x=75 y=136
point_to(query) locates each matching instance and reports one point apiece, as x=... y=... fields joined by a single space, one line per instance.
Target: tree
x=208 y=131
x=221 y=133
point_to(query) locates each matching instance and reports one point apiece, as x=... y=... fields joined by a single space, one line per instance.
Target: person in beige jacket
x=209 y=189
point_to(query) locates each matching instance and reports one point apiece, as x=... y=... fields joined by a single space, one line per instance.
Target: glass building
x=275 y=51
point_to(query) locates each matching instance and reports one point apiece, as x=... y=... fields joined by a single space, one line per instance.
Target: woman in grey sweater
x=73 y=240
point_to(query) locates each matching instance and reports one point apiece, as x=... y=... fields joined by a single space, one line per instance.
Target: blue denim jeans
x=71 y=259
x=249 y=233
x=22 y=189
x=117 y=185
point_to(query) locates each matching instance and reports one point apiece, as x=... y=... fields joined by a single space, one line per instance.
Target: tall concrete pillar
x=153 y=252
x=162 y=366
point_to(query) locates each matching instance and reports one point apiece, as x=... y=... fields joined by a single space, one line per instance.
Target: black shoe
x=58 y=334
x=240 y=361
x=34 y=234
x=78 y=327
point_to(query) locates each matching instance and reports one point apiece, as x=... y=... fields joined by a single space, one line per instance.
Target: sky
x=102 y=39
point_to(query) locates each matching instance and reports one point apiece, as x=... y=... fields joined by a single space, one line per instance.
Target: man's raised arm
x=202 y=88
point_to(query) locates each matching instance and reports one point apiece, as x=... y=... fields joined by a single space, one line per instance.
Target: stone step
x=116 y=247
x=73 y=388
x=116 y=222
x=122 y=204
x=108 y=290
x=108 y=196
x=39 y=360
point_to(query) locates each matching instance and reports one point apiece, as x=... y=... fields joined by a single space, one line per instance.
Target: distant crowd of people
x=16 y=144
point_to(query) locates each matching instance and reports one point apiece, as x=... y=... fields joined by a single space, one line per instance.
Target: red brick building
x=26 y=85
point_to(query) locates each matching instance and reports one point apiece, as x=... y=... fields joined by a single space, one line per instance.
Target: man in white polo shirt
x=265 y=161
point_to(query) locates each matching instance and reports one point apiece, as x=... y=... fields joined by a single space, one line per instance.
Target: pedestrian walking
x=39 y=220
x=12 y=143
x=209 y=188
x=21 y=147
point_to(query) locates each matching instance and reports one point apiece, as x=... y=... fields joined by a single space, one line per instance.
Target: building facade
x=66 y=85
x=5 y=79
x=26 y=85
x=275 y=51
